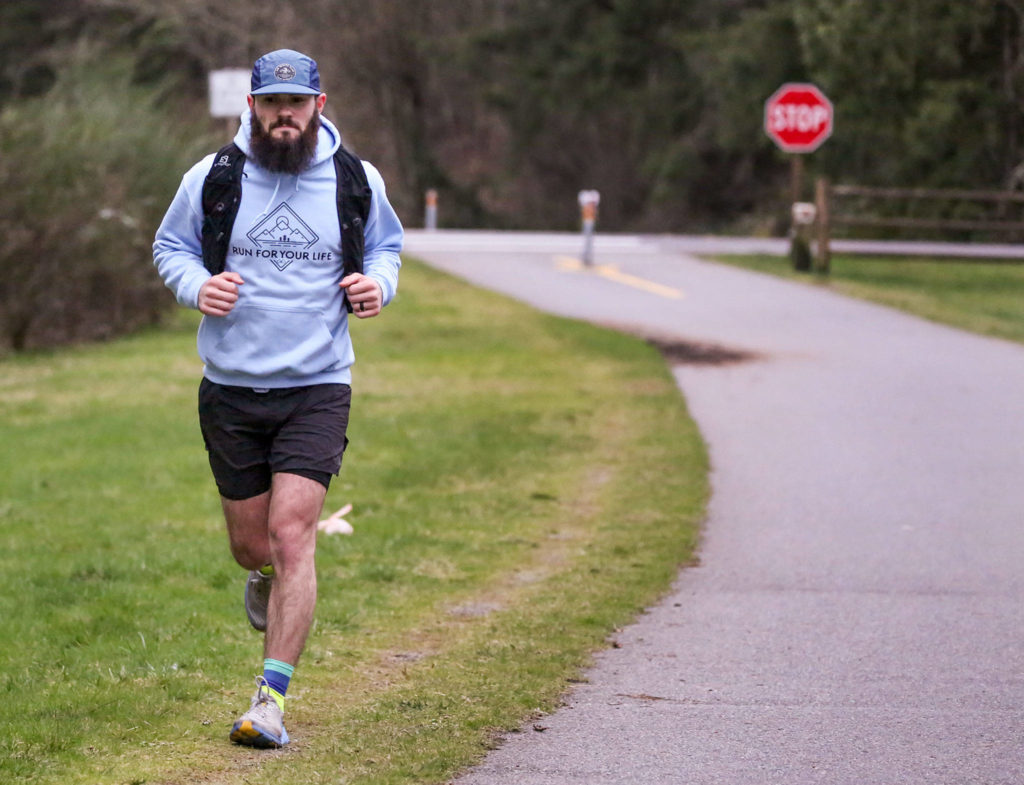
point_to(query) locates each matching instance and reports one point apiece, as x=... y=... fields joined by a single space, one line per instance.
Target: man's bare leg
x=279 y=528
x=295 y=506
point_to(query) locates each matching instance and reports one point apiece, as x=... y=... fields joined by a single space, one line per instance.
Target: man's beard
x=283 y=155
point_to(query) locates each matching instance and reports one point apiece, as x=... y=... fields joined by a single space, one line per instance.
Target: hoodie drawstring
x=273 y=196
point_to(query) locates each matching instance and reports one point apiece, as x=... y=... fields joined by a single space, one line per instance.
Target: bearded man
x=275 y=395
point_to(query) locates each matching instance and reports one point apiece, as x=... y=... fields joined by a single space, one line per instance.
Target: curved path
x=857 y=613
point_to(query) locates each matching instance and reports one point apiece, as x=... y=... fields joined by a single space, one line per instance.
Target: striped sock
x=277 y=675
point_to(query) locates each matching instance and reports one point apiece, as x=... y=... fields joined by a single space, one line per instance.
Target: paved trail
x=857 y=613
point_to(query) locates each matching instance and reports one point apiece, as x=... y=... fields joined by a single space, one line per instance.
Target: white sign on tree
x=228 y=90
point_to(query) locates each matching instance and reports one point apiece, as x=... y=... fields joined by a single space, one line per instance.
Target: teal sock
x=277 y=674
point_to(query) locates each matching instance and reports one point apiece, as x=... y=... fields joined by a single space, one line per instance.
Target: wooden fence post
x=822 y=199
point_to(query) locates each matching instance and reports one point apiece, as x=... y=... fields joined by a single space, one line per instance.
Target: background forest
x=507 y=107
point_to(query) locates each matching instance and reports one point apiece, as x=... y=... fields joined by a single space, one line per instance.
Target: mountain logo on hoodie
x=282 y=230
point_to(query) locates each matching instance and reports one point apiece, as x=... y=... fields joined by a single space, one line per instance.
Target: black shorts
x=252 y=435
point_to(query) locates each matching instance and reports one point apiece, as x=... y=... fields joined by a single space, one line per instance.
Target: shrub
x=86 y=172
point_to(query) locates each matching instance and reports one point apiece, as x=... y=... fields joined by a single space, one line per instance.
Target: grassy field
x=983 y=297
x=521 y=485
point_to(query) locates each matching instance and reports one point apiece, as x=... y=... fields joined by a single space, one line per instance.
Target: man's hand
x=219 y=294
x=364 y=294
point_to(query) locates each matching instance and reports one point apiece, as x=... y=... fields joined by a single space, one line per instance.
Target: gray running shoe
x=263 y=725
x=257 y=597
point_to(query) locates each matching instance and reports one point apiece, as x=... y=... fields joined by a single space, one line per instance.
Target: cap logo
x=284 y=72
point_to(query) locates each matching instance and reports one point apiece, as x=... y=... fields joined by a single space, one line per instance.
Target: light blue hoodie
x=289 y=327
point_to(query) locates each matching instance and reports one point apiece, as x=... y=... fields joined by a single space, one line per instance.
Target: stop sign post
x=798 y=118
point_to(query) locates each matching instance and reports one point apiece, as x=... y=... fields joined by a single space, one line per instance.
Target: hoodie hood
x=327 y=142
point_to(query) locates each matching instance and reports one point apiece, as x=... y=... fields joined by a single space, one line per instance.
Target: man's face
x=284 y=116
x=283 y=130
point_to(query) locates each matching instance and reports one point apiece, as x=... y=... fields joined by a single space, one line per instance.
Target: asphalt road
x=857 y=613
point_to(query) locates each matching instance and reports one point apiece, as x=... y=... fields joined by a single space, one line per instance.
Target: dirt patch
x=684 y=351
x=681 y=352
x=474 y=610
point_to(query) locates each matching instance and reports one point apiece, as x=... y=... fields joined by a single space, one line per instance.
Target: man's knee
x=292 y=542
x=247 y=530
x=250 y=555
x=295 y=510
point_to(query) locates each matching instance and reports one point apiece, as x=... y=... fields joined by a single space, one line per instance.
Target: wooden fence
x=966 y=211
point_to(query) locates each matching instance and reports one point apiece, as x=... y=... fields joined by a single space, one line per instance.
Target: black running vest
x=222 y=194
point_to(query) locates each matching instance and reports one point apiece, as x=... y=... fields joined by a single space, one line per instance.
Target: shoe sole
x=258 y=623
x=249 y=735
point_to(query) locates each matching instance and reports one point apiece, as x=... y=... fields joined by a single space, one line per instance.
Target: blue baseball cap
x=285 y=71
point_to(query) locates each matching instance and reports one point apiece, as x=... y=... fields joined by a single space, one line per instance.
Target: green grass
x=985 y=297
x=521 y=484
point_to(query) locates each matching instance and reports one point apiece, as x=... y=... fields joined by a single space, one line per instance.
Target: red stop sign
x=798 y=117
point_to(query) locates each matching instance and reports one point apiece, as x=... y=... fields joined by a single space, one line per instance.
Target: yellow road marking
x=612 y=273
x=568 y=263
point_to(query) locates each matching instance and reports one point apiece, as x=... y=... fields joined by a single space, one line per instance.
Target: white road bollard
x=803 y=214
x=430 y=217
x=588 y=213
